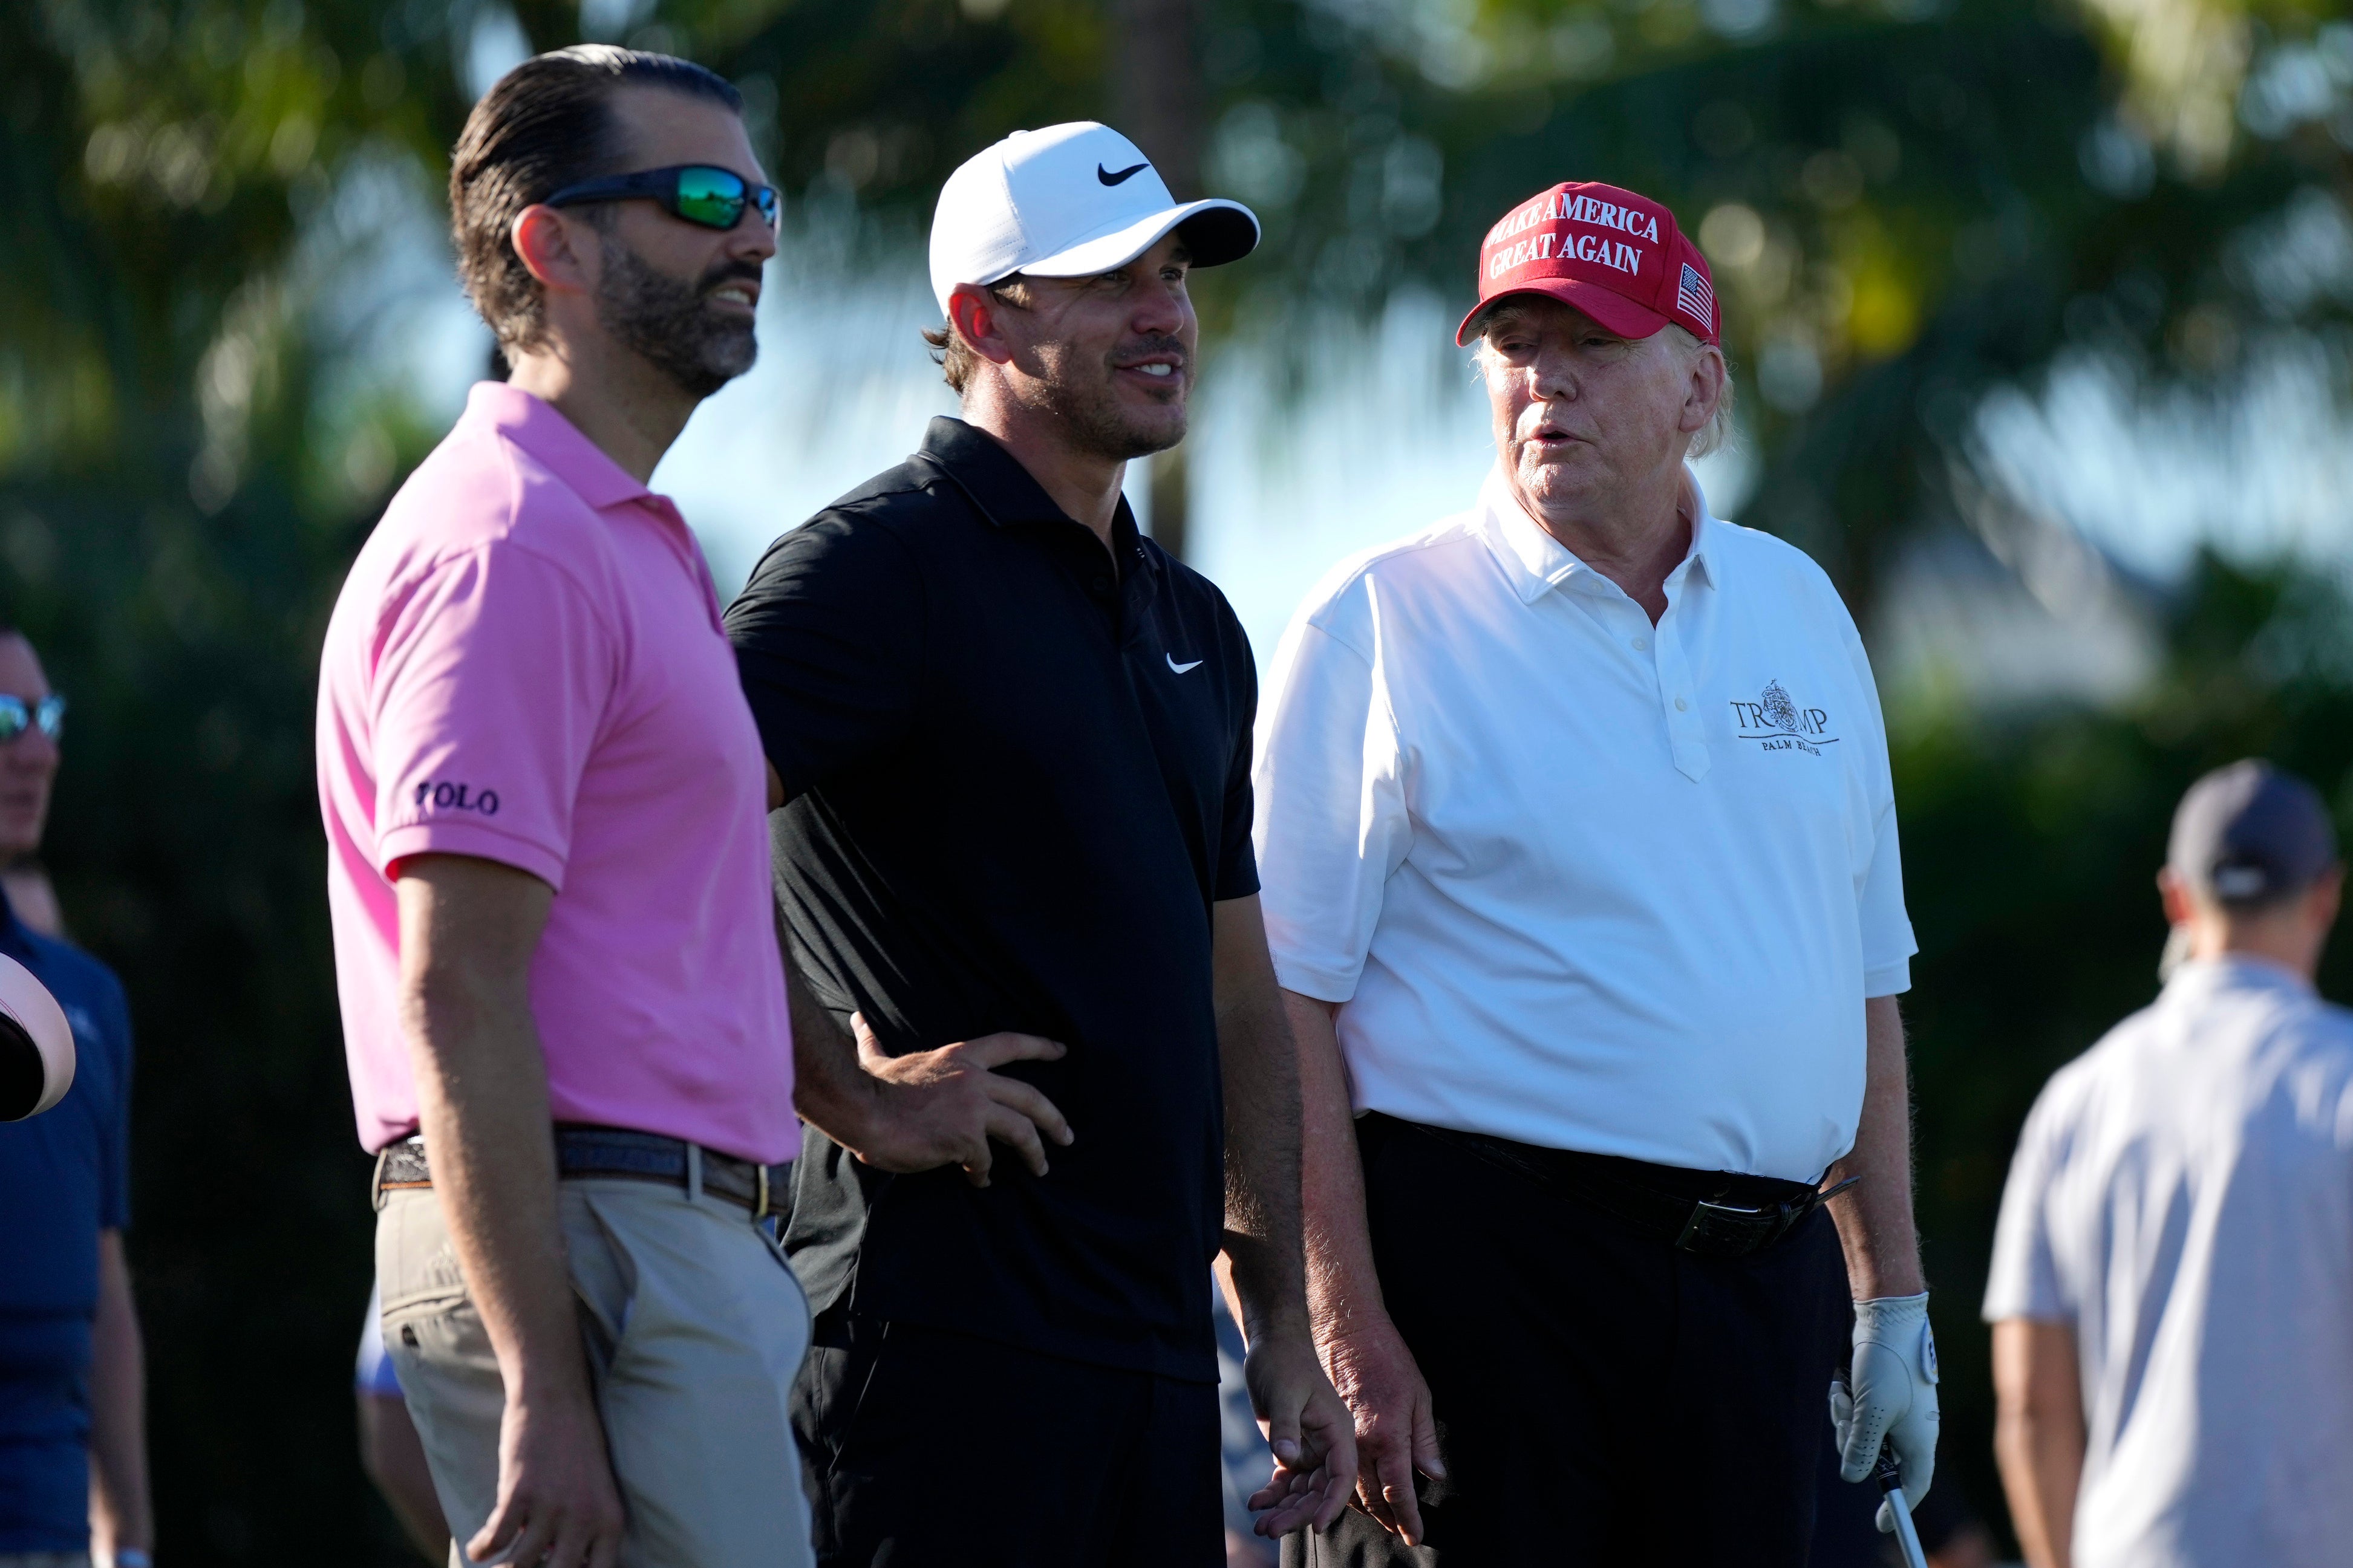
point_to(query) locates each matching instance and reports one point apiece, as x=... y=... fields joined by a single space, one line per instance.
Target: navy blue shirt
x=64 y=1177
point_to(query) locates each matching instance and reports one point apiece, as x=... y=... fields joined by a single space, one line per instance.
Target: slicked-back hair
x=547 y=124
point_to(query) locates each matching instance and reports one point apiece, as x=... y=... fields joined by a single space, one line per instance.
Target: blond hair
x=1712 y=437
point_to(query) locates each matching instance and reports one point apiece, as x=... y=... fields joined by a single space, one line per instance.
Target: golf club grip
x=1889 y=1473
x=1886 y=1471
x=1890 y=1476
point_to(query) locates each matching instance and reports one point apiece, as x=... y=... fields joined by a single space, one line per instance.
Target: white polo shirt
x=1582 y=881
x=2182 y=1199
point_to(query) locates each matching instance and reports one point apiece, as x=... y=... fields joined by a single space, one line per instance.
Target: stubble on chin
x=669 y=323
x=1090 y=408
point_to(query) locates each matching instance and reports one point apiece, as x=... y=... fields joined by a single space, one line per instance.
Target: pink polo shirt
x=526 y=666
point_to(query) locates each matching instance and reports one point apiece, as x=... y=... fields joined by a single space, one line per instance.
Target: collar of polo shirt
x=1005 y=492
x=2198 y=975
x=538 y=428
x=1536 y=562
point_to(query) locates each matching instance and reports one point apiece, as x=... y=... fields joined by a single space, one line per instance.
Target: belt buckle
x=1714 y=1226
x=760 y=1185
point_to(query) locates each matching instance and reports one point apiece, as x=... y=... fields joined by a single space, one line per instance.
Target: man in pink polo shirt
x=545 y=801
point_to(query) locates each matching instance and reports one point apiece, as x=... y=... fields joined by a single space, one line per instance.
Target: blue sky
x=1389 y=434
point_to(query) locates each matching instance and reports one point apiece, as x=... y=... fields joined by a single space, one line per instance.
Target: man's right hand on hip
x=945 y=1107
x=558 y=1505
x=1396 y=1431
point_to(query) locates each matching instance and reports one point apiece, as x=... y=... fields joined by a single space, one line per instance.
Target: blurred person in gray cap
x=1038 y=1045
x=2172 y=1286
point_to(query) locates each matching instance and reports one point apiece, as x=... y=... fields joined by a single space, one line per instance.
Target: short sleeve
x=1888 y=942
x=488 y=690
x=828 y=641
x=1332 y=822
x=2023 y=1278
x=1236 y=860
x=114 y=1157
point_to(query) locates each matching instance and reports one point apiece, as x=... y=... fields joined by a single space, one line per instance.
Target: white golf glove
x=1894 y=1396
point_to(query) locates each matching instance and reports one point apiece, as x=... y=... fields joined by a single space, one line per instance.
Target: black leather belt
x=1713 y=1213
x=615 y=1151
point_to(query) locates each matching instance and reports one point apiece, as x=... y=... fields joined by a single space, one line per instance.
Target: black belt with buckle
x=582 y=1151
x=1713 y=1213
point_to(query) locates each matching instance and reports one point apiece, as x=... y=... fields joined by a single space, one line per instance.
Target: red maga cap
x=1620 y=259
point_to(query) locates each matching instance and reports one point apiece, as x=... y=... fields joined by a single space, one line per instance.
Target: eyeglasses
x=16 y=716
x=699 y=194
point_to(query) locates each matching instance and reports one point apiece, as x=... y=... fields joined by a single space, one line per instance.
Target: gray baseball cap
x=2248 y=834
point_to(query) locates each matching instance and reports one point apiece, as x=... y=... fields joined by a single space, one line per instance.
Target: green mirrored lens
x=710 y=196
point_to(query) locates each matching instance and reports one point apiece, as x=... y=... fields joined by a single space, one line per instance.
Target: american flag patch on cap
x=1694 y=299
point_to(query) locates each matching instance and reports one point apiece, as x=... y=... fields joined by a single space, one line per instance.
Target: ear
x=976 y=316
x=1704 y=389
x=2325 y=898
x=2175 y=894
x=548 y=244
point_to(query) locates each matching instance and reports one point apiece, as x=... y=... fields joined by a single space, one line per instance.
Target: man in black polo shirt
x=1011 y=737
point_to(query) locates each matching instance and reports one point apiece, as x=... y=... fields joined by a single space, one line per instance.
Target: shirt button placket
x=1686 y=739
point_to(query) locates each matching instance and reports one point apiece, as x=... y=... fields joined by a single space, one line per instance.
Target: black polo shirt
x=1017 y=779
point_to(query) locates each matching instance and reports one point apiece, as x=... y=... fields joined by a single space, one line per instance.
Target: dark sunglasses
x=16 y=716
x=715 y=198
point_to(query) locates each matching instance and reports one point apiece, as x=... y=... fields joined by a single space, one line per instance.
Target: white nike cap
x=1069 y=201
x=36 y=1044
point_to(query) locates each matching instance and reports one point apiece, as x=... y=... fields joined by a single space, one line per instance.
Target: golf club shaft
x=1909 y=1538
x=1889 y=1475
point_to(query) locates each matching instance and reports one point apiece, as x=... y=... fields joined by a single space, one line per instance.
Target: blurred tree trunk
x=1157 y=97
x=1158 y=100
x=548 y=24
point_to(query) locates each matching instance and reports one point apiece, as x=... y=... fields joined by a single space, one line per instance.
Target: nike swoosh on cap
x=1180 y=668
x=1108 y=178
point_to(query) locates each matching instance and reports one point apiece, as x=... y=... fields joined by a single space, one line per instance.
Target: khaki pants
x=695 y=1327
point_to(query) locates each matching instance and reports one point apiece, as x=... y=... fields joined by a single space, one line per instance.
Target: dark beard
x=666 y=322
x=1094 y=422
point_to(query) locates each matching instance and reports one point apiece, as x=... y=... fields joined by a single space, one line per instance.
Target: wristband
x=131 y=1557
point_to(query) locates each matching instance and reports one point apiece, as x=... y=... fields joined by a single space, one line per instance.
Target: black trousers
x=1601 y=1396
x=926 y=1449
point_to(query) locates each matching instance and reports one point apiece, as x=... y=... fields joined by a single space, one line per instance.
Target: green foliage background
x=189 y=455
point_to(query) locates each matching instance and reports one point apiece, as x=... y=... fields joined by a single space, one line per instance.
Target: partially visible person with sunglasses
x=73 y=1444
x=546 y=808
x=21 y=877
x=16 y=715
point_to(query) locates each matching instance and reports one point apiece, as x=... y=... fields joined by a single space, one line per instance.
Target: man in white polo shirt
x=2172 y=1286
x=1581 y=880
